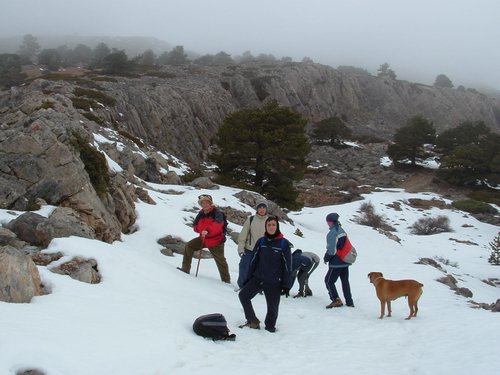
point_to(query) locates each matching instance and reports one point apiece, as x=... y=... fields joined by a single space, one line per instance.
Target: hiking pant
x=303 y=276
x=244 y=267
x=272 y=293
x=331 y=277
x=216 y=251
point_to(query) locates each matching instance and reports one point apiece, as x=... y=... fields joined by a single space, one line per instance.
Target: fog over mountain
x=419 y=40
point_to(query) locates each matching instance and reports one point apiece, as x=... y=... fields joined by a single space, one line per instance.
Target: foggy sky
x=419 y=39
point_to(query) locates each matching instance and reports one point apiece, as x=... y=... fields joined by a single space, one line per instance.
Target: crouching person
x=270 y=271
x=303 y=265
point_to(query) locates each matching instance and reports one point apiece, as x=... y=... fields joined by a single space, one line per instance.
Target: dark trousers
x=303 y=276
x=272 y=293
x=216 y=251
x=244 y=267
x=331 y=277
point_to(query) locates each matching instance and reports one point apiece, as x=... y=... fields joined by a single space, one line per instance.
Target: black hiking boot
x=308 y=292
x=270 y=329
x=299 y=294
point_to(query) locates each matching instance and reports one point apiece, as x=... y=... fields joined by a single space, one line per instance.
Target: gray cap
x=260 y=204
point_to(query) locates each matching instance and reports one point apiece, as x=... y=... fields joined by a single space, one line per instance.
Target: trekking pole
x=199 y=256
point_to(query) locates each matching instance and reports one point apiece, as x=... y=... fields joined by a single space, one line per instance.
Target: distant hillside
x=133 y=45
x=180 y=108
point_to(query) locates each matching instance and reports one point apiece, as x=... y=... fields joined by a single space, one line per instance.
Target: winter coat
x=213 y=222
x=335 y=240
x=272 y=263
x=252 y=230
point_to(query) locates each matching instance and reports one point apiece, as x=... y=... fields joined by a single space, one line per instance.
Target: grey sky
x=419 y=39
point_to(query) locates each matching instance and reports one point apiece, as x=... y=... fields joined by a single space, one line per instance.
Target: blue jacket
x=272 y=261
x=335 y=240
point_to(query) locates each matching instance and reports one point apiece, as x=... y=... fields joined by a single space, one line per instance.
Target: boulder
x=20 y=280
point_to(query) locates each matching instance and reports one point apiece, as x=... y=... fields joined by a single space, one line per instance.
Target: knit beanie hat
x=332 y=217
x=260 y=204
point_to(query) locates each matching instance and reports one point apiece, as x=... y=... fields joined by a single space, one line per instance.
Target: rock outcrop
x=20 y=280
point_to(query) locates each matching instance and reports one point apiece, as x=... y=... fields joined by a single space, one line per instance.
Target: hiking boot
x=254 y=325
x=350 y=304
x=308 y=293
x=299 y=294
x=336 y=303
x=180 y=269
x=270 y=329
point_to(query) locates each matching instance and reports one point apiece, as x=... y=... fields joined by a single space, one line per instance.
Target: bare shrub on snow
x=431 y=225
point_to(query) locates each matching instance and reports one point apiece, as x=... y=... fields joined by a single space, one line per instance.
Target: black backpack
x=213 y=326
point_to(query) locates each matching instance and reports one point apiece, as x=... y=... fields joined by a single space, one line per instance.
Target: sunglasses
x=205 y=196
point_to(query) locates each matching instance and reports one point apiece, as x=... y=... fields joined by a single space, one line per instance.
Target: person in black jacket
x=271 y=272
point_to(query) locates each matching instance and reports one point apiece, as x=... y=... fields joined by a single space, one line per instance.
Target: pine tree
x=264 y=149
x=495 y=251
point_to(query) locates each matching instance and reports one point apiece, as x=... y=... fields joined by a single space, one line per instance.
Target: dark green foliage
x=90 y=116
x=353 y=70
x=474 y=207
x=96 y=95
x=116 y=63
x=10 y=70
x=332 y=131
x=265 y=148
x=409 y=140
x=29 y=47
x=50 y=58
x=83 y=103
x=99 y=54
x=385 y=72
x=443 y=81
x=495 y=251
x=94 y=162
x=174 y=57
x=471 y=154
x=468 y=132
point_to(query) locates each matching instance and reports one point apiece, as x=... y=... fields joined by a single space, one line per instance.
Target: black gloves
x=285 y=292
x=327 y=258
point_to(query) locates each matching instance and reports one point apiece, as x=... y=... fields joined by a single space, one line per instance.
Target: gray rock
x=20 y=280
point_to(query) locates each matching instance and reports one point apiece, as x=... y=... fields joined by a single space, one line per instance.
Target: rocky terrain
x=86 y=143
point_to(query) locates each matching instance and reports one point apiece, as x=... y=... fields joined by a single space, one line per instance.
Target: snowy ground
x=138 y=320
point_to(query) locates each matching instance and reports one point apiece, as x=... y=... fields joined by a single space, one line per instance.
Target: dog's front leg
x=382 y=309
x=389 y=311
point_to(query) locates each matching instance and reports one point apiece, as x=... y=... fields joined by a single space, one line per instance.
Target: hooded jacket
x=335 y=240
x=272 y=261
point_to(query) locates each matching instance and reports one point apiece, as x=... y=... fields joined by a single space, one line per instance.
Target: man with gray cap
x=253 y=229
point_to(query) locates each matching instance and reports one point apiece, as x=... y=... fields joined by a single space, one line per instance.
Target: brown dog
x=389 y=290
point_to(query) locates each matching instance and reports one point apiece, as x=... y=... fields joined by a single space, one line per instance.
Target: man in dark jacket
x=209 y=223
x=270 y=271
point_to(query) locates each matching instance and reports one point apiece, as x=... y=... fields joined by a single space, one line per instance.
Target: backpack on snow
x=213 y=326
x=348 y=253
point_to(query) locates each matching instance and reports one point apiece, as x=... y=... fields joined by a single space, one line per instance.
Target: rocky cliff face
x=178 y=111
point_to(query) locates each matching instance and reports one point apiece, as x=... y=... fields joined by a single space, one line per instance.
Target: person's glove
x=285 y=292
x=241 y=252
x=327 y=258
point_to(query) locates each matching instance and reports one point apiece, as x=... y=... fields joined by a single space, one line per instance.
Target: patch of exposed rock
x=20 y=280
x=78 y=268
